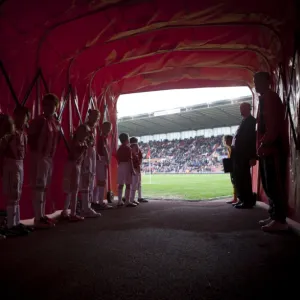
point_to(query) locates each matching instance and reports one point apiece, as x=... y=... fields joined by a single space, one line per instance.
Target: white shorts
x=12 y=180
x=89 y=163
x=41 y=171
x=71 y=177
x=124 y=173
x=101 y=169
x=136 y=181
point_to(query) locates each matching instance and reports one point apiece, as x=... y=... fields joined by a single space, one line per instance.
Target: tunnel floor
x=159 y=250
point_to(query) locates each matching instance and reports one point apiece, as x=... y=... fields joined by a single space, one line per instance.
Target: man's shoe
x=232 y=202
x=265 y=222
x=142 y=200
x=237 y=203
x=275 y=226
x=243 y=206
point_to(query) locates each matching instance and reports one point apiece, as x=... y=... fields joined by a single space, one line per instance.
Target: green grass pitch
x=186 y=186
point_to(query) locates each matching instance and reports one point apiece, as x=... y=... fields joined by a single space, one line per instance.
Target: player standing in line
x=125 y=170
x=13 y=150
x=227 y=141
x=101 y=168
x=43 y=137
x=88 y=170
x=73 y=171
x=134 y=140
x=136 y=176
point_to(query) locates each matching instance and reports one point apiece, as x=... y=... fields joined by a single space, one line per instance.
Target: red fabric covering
x=105 y=48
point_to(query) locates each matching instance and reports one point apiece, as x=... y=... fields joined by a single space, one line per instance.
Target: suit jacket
x=244 y=147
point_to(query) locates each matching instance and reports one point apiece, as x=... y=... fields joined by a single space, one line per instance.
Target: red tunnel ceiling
x=135 y=46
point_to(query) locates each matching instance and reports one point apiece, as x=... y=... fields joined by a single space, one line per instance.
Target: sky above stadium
x=141 y=103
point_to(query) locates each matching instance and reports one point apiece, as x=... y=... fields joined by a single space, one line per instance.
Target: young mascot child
x=88 y=170
x=43 y=137
x=134 y=140
x=125 y=170
x=227 y=141
x=136 y=176
x=13 y=150
x=73 y=166
x=101 y=167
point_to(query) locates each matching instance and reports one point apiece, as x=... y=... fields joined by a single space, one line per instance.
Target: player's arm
x=106 y=154
x=130 y=159
x=34 y=131
x=273 y=117
x=3 y=145
x=60 y=132
x=252 y=139
x=140 y=155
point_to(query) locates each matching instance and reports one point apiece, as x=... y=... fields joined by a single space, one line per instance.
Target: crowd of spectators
x=193 y=155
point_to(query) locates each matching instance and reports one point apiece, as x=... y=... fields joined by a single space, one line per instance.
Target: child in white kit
x=134 y=141
x=88 y=170
x=78 y=151
x=136 y=176
x=43 y=138
x=125 y=170
x=13 y=151
x=101 y=168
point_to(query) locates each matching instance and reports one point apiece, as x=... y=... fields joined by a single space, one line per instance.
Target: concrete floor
x=159 y=250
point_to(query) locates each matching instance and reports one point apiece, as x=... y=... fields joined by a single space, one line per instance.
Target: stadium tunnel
x=91 y=52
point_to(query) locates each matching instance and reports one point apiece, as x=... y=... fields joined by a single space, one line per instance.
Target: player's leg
x=39 y=181
x=13 y=179
x=140 y=197
x=128 y=181
x=101 y=178
x=87 y=211
x=133 y=188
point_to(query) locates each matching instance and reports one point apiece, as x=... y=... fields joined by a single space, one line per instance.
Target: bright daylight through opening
x=180 y=133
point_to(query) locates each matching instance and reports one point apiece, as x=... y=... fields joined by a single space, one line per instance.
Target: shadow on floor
x=159 y=250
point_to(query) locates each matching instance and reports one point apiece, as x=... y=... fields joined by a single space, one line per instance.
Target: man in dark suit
x=273 y=151
x=244 y=157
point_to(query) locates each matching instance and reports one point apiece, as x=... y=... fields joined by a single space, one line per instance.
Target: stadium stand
x=193 y=155
x=173 y=152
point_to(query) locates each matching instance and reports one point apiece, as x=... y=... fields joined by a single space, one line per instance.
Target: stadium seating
x=193 y=155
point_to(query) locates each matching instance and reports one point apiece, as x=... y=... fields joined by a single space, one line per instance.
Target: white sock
x=127 y=193
x=120 y=194
x=43 y=206
x=67 y=202
x=132 y=194
x=85 y=201
x=37 y=205
x=91 y=190
x=96 y=194
x=17 y=214
x=11 y=216
x=73 y=203
x=101 y=194
x=140 y=192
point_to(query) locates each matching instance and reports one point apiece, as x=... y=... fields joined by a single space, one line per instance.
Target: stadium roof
x=222 y=113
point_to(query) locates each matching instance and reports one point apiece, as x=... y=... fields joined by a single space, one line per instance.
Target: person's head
x=93 y=117
x=133 y=140
x=21 y=116
x=50 y=103
x=7 y=125
x=245 y=109
x=227 y=140
x=135 y=148
x=81 y=133
x=124 y=138
x=106 y=128
x=262 y=81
